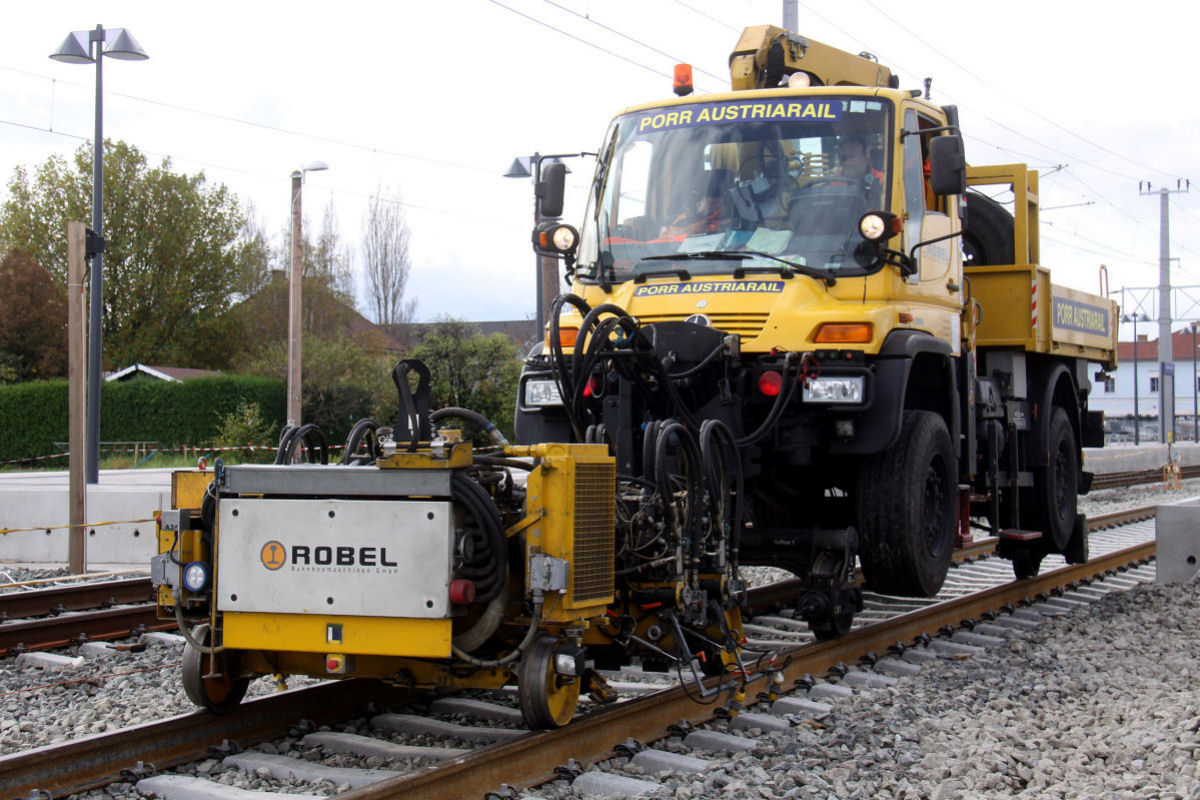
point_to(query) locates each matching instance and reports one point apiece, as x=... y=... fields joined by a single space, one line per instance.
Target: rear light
x=592 y=387
x=853 y=332
x=769 y=383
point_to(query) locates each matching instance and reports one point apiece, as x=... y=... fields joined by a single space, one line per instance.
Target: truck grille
x=592 y=570
x=747 y=326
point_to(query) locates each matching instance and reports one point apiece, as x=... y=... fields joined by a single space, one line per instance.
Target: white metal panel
x=376 y=558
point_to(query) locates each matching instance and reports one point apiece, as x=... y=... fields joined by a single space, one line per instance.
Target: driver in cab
x=707 y=213
x=854 y=164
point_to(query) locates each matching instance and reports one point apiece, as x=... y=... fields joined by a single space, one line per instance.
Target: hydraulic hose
x=479 y=504
x=781 y=401
x=530 y=633
x=187 y=634
x=481 y=422
x=488 y=623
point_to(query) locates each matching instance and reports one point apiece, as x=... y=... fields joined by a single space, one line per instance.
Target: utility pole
x=790 y=19
x=1166 y=358
x=295 y=318
x=76 y=395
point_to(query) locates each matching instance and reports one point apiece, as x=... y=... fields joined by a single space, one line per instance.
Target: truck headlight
x=834 y=390
x=542 y=392
x=195 y=576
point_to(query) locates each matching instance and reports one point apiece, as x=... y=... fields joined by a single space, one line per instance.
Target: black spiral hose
x=475 y=499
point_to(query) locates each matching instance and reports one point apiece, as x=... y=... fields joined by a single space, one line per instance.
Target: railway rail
x=1116 y=480
x=523 y=758
x=45 y=619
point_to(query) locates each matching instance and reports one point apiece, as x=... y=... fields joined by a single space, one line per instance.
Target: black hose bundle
x=363 y=434
x=316 y=447
x=488 y=567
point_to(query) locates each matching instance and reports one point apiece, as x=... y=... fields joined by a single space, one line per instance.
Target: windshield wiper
x=786 y=268
x=736 y=255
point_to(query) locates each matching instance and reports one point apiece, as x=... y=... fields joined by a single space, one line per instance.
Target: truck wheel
x=1056 y=494
x=906 y=510
x=988 y=232
x=218 y=694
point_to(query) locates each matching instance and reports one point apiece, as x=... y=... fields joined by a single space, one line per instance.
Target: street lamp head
x=74 y=49
x=124 y=47
x=314 y=166
x=519 y=168
x=118 y=43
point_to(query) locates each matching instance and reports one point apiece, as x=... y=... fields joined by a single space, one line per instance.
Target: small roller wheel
x=548 y=700
x=218 y=694
x=833 y=627
x=1027 y=561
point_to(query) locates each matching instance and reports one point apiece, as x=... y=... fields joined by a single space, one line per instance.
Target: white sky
x=435 y=100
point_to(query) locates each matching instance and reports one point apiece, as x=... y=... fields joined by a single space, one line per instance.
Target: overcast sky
x=433 y=100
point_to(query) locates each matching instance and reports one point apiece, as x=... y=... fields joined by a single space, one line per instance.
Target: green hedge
x=34 y=415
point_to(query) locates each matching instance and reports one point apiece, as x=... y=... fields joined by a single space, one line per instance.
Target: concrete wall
x=39 y=500
x=1177 y=541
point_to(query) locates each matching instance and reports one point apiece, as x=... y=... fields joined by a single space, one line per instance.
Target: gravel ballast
x=1103 y=702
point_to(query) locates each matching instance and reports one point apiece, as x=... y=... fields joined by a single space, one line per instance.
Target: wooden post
x=76 y=375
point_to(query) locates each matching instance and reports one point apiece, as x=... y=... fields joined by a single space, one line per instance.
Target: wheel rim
x=1062 y=467
x=546 y=702
x=934 y=511
x=210 y=693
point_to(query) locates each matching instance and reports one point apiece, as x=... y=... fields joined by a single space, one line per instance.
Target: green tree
x=342 y=382
x=175 y=253
x=470 y=370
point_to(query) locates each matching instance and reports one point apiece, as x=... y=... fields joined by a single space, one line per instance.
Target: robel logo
x=273 y=555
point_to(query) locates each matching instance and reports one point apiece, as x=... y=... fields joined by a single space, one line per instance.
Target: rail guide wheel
x=548 y=700
x=218 y=694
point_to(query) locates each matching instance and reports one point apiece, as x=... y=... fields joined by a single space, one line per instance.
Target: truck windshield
x=772 y=183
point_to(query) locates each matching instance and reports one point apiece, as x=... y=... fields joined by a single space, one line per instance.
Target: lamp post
x=87 y=47
x=1195 y=389
x=1137 y=419
x=294 y=294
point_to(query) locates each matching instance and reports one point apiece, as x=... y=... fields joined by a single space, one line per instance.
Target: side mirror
x=947 y=165
x=550 y=189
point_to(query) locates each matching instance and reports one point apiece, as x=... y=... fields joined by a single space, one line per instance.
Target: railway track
x=491 y=750
x=46 y=619
x=1116 y=480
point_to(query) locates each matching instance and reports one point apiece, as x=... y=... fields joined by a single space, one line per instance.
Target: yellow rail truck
x=783 y=347
x=799 y=264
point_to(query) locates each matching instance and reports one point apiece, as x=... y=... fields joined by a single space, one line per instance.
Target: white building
x=1119 y=393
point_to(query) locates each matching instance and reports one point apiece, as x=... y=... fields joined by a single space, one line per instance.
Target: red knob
x=462 y=592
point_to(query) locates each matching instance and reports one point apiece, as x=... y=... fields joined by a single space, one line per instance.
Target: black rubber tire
x=907 y=501
x=987 y=233
x=214 y=694
x=1056 y=488
x=1077 y=550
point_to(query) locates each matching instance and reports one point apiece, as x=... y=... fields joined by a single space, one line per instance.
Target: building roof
x=173 y=374
x=1182 y=344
